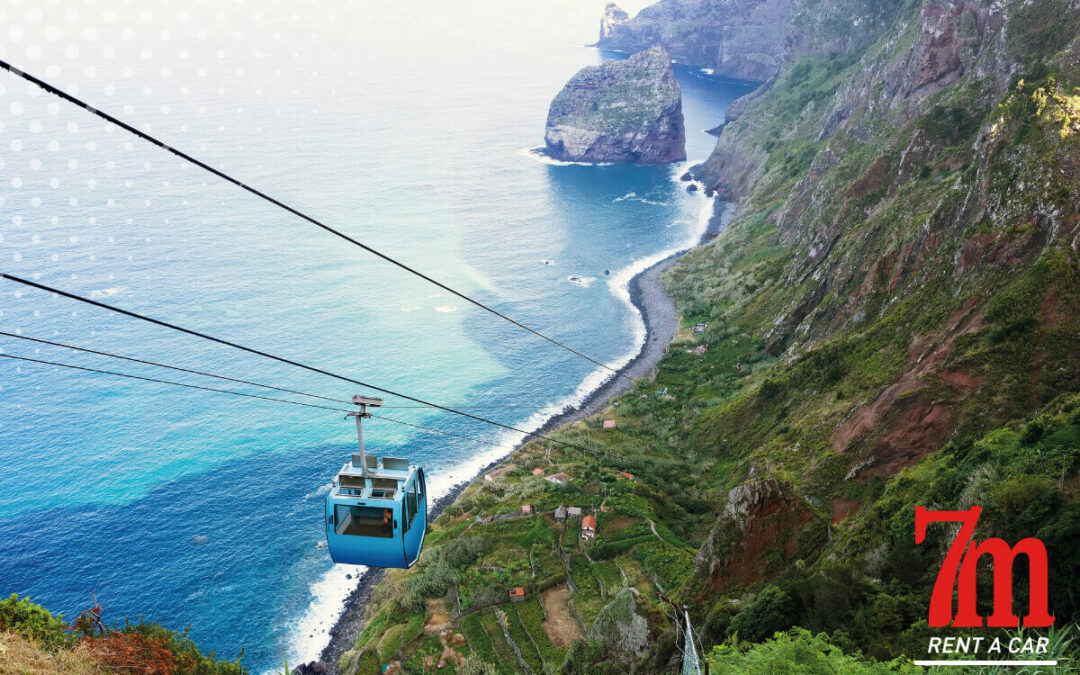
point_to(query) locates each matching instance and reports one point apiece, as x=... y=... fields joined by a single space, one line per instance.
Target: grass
x=587 y=599
x=532 y=616
x=507 y=663
x=520 y=637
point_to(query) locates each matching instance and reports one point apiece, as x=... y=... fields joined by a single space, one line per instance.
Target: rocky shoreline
x=658 y=311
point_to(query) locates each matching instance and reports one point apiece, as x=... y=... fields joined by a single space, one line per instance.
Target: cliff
x=619 y=111
x=745 y=39
x=892 y=320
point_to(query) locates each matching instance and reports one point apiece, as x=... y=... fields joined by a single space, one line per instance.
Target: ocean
x=408 y=125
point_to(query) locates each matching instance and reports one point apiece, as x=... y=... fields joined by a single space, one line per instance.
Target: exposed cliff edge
x=619 y=111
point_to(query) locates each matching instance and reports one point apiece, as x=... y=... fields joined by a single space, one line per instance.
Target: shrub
x=473 y=665
x=949 y=125
x=34 y=623
x=771 y=611
x=811 y=654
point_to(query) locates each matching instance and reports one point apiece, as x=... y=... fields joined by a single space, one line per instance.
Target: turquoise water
x=407 y=125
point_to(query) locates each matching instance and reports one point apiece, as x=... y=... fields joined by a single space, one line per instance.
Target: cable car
x=376 y=510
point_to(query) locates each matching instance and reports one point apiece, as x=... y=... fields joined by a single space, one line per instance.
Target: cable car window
x=383 y=488
x=412 y=501
x=364 y=521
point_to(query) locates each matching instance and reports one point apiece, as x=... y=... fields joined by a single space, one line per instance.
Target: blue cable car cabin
x=378 y=516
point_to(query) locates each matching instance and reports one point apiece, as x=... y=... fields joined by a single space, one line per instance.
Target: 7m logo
x=961 y=563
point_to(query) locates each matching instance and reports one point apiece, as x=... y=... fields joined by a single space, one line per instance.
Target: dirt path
x=560 y=626
x=652 y=526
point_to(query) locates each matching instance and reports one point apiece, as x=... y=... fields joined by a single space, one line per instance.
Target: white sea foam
x=446 y=309
x=633 y=197
x=412 y=308
x=541 y=156
x=107 y=292
x=311 y=633
x=581 y=280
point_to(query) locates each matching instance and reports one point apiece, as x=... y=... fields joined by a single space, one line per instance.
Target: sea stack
x=613 y=16
x=619 y=111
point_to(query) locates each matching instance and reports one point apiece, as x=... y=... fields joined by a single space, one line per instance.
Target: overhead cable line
x=165 y=365
x=176 y=384
x=436 y=431
x=236 y=393
x=463 y=407
x=239 y=381
x=281 y=359
x=56 y=91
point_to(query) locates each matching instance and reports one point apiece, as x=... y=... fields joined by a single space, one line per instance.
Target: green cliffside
x=893 y=319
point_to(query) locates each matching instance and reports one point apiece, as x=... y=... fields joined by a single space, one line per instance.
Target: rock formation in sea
x=619 y=111
x=613 y=16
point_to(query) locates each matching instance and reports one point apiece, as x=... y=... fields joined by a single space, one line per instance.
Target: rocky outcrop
x=761 y=519
x=621 y=628
x=619 y=111
x=613 y=16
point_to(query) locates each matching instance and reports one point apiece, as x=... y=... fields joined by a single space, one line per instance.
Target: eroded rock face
x=619 y=111
x=760 y=519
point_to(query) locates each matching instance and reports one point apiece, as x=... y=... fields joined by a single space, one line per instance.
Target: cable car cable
x=56 y=91
x=229 y=379
x=238 y=393
x=165 y=365
x=177 y=384
x=233 y=379
x=436 y=431
x=165 y=324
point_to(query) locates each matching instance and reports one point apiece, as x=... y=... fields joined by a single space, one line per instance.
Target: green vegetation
x=893 y=319
x=797 y=653
x=131 y=648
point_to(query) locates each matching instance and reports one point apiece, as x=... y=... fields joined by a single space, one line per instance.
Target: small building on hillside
x=573 y=512
x=560 y=514
x=499 y=472
x=627 y=476
x=526 y=509
x=610 y=424
x=517 y=594
x=699 y=328
x=560 y=478
x=538 y=471
x=588 y=527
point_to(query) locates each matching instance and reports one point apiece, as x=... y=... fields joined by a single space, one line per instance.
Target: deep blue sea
x=407 y=125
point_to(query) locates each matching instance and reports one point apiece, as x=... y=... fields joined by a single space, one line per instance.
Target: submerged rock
x=619 y=111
